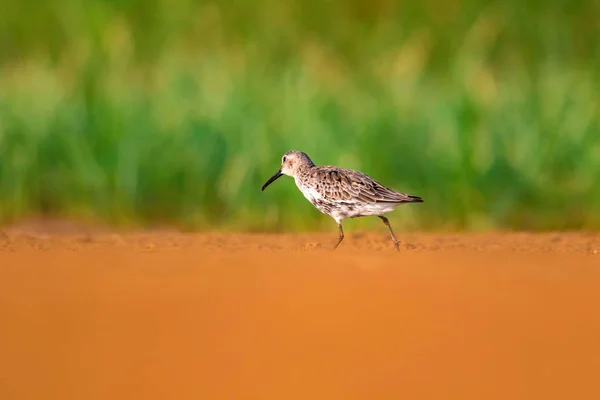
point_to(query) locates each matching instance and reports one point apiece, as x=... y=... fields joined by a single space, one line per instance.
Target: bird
x=341 y=193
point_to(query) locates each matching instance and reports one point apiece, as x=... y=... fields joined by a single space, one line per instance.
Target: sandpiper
x=341 y=193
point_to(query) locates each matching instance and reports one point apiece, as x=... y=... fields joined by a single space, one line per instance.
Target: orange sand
x=217 y=316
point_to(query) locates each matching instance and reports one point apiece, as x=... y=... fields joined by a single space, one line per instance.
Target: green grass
x=162 y=112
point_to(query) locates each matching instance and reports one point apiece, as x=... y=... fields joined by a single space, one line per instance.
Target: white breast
x=308 y=191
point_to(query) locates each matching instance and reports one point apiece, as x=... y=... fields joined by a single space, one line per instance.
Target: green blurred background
x=177 y=111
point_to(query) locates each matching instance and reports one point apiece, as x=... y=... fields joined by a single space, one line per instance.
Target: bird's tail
x=414 y=199
x=401 y=198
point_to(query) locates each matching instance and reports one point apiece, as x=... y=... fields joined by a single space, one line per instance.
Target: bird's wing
x=337 y=184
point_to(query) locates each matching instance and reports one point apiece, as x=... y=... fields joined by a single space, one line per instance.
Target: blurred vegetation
x=177 y=111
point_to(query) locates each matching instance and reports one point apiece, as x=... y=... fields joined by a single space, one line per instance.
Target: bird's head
x=291 y=163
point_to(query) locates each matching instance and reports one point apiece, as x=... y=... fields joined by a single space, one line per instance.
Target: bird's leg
x=387 y=223
x=341 y=236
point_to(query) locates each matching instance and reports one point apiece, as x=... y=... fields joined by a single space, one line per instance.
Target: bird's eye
x=283 y=159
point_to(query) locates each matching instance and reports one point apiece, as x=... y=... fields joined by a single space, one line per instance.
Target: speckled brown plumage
x=341 y=193
x=337 y=184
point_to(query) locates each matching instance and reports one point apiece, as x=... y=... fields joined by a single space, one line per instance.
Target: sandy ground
x=165 y=315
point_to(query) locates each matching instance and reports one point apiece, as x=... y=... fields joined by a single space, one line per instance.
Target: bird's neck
x=304 y=170
x=302 y=173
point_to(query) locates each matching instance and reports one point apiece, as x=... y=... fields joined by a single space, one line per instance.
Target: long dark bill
x=271 y=180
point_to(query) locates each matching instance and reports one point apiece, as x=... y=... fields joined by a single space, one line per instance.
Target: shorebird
x=341 y=193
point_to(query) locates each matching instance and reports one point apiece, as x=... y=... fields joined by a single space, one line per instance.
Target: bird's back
x=348 y=193
x=340 y=184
